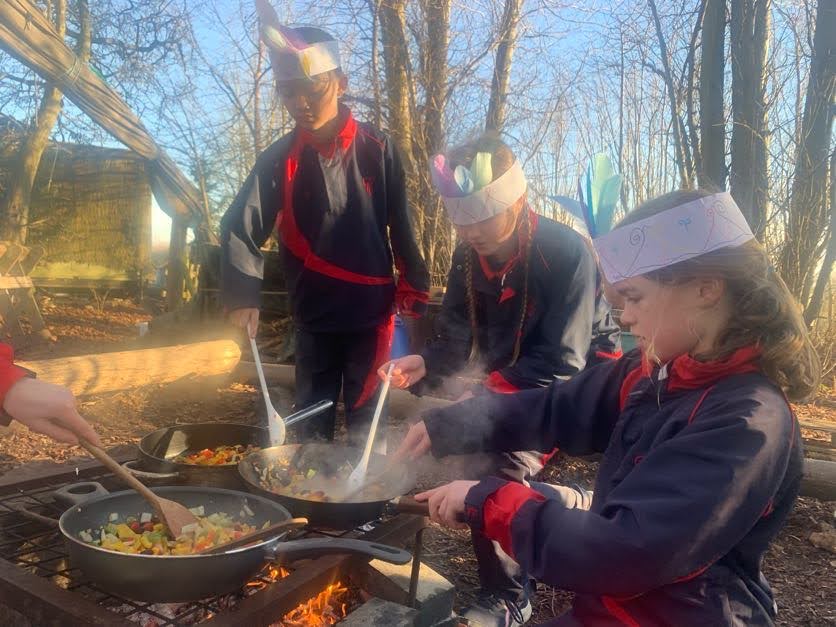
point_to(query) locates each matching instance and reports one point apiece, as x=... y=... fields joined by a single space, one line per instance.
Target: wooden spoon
x=173 y=515
x=261 y=534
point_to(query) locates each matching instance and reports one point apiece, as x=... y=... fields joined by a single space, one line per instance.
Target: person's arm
x=577 y=416
x=43 y=407
x=557 y=347
x=245 y=227
x=9 y=375
x=606 y=334
x=413 y=289
x=688 y=502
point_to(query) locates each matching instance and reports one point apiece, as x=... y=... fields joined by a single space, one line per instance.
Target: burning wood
x=327 y=608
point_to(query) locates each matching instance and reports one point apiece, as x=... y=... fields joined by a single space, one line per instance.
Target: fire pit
x=37 y=582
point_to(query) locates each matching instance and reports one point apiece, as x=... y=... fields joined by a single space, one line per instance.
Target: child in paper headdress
x=519 y=306
x=334 y=189
x=702 y=456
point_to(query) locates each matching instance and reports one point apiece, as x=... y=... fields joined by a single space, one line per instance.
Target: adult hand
x=414 y=445
x=49 y=409
x=246 y=318
x=407 y=371
x=447 y=503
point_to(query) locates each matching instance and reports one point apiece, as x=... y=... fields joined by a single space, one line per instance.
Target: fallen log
x=819 y=479
x=111 y=372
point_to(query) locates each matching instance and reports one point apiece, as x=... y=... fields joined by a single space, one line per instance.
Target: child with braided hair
x=519 y=309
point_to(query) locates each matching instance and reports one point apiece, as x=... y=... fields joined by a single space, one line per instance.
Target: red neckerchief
x=686 y=373
x=522 y=240
x=341 y=140
x=290 y=234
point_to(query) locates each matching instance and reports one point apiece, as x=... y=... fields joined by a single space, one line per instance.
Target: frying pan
x=325 y=459
x=188 y=577
x=156 y=464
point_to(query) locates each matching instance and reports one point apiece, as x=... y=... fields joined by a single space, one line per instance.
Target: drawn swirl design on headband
x=712 y=222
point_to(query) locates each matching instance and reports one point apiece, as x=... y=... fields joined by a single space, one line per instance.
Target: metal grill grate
x=38 y=550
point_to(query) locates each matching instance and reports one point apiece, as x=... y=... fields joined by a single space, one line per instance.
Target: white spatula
x=358 y=475
x=275 y=423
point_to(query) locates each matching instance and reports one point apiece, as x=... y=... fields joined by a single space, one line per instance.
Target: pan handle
x=144 y=474
x=408 y=505
x=308 y=412
x=77 y=493
x=314 y=547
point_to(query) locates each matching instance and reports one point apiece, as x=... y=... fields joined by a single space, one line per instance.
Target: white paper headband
x=312 y=59
x=682 y=232
x=490 y=200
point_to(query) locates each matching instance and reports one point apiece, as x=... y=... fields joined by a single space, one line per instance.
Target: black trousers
x=329 y=362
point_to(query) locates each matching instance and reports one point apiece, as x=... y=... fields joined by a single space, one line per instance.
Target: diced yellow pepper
x=146 y=543
x=124 y=532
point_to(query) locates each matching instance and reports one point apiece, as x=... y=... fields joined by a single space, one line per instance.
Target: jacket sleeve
x=9 y=375
x=557 y=348
x=689 y=502
x=577 y=416
x=413 y=289
x=606 y=334
x=245 y=227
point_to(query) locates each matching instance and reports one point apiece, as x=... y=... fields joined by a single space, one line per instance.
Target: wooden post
x=176 y=274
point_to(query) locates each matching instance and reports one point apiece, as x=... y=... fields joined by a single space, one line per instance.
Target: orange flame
x=326 y=608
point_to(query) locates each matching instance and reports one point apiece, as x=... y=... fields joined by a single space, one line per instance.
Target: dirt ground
x=803 y=576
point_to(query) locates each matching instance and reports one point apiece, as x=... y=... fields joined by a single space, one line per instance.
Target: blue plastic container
x=400 y=339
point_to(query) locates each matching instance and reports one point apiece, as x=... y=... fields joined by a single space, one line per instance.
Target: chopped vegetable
x=197 y=511
x=151 y=539
x=218 y=456
x=146 y=517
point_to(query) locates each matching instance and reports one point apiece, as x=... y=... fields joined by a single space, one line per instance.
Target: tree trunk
x=437 y=18
x=748 y=180
x=811 y=312
x=502 y=66
x=374 y=7
x=257 y=74
x=683 y=160
x=15 y=207
x=396 y=57
x=809 y=210
x=712 y=119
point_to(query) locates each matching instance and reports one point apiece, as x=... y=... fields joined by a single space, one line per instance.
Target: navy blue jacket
x=561 y=314
x=343 y=223
x=701 y=467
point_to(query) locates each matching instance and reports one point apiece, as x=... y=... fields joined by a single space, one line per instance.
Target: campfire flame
x=326 y=608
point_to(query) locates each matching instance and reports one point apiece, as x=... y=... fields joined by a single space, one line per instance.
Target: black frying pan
x=156 y=464
x=188 y=577
x=326 y=458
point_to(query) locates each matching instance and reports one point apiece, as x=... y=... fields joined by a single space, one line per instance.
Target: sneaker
x=490 y=610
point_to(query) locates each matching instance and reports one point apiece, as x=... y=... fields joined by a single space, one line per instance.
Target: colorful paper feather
x=481 y=170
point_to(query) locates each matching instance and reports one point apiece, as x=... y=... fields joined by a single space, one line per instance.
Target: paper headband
x=469 y=195
x=312 y=59
x=682 y=232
